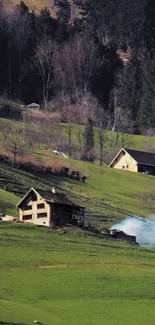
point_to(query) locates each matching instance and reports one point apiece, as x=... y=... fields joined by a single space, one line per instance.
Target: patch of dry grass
x=35 y=5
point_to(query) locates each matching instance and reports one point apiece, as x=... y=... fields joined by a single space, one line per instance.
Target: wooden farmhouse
x=49 y=208
x=134 y=161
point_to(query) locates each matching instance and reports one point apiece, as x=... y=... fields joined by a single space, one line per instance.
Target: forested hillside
x=90 y=59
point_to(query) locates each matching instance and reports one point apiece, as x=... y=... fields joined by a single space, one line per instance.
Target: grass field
x=107 y=195
x=8 y=201
x=73 y=278
x=137 y=142
x=57 y=135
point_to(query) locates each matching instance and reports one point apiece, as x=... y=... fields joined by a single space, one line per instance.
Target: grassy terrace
x=131 y=141
x=8 y=201
x=109 y=194
x=73 y=278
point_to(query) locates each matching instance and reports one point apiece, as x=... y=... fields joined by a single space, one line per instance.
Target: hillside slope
x=73 y=278
x=8 y=201
x=41 y=133
x=108 y=194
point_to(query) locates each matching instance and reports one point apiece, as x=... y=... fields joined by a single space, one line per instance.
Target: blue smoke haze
x=143 y=229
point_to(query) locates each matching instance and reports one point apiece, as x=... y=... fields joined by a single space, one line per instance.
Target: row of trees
x=19 y=141
x=80 y=142
x=98 y=64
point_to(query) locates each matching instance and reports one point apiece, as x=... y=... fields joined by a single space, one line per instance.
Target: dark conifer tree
x=147 y=107
x=88 y=152
x=46 y=25
x=22 y=8
x=149 y=27
x=130 y=92
x=64 y=10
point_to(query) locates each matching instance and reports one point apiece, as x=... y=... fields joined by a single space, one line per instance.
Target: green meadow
x=107 y=195
x=55 y=131
x=73 y=278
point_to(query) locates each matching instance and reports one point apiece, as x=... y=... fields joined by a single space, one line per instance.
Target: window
x=123 y=167
x=127 y=166
x=28 y=217
x=40 y=206
x=28 y=207
x=42 y=215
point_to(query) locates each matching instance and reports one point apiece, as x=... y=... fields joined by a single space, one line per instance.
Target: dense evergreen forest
x=97 y=63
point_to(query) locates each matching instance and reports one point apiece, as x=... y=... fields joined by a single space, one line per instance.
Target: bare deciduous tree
x=14 y=143
x=43 y=61
x=75 y=63
x=19 y=29
x=124 y=127
x=77 y=111
x=68 y=113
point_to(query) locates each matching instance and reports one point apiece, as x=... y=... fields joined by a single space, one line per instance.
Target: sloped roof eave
x=24 y=197
x=48 y=200
x=71 y=205
x=122 y=149
x=142 y=163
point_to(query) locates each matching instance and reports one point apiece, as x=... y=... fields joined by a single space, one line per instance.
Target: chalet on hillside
x=49 y=208
x=134 y=161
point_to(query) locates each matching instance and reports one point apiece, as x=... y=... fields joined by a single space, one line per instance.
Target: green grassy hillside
x=73 y=278
x=53 y=131
x=8 y=201
x=108 y=194
x=41 y=139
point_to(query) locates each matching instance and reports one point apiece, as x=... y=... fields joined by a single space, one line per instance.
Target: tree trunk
x=117 y=137
x=10 y=79
x=14 y=159
x=101 y=140
x=47 y=87
x=44 y=91
x=70 y=139
x=115 y=111
x=123 y=140
x=80 y=133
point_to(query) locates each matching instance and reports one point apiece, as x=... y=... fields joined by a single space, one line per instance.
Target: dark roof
x=54 y=197
x=49 y=196
x=146 y=158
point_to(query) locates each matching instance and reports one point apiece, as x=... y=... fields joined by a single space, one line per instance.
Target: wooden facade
x=51 y=209
x=124 y=161
x=134 y=161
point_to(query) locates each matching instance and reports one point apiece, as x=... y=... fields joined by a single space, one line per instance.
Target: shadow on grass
x=4 y=323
